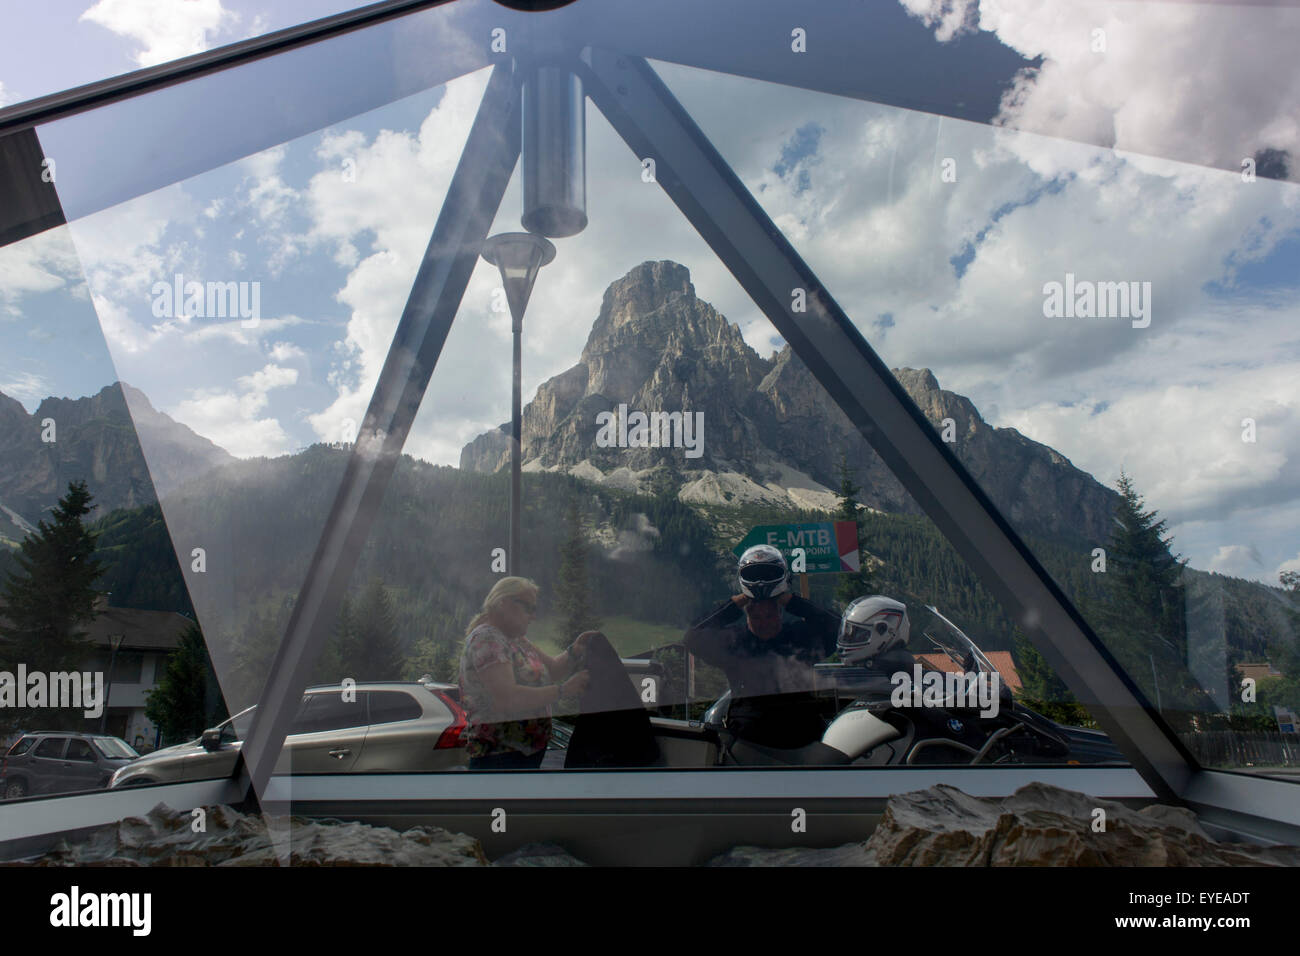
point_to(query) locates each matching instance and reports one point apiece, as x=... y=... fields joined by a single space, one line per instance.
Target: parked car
x=380 y=727
x=61 y=762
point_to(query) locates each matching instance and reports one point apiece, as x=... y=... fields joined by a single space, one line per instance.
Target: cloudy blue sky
x=946 y=275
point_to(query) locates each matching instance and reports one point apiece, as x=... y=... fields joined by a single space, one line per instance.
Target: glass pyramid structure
x=951 y=269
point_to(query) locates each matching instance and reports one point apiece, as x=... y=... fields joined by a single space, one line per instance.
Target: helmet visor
x=853 y=634
x=762 y=574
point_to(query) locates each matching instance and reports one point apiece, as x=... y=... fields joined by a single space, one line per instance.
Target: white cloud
x=6 y=96
x=166 y=29
x=268 y=377
x=285 y=352
x=390 y=206
x=37 y=264
x=1290 y=565
x=199 y=331
x=948 y=17
x=272 y=202
x=27 y=387
x=1237 y=560
x=234 y=418
x=123 y=253
x=877 y=226
x=1204 y=83
x=881 y=230
x=380 y=233
x=125 y=250
x=269 y=196
x=1183 y=442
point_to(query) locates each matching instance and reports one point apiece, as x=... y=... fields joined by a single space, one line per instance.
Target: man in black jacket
x=768 y=660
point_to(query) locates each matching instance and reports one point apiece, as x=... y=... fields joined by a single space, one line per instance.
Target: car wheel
x=15 y=789
x=139 y=782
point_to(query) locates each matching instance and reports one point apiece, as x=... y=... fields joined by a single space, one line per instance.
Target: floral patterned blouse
x=492 y=729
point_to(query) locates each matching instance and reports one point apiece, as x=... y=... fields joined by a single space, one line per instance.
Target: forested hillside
x=651 y=559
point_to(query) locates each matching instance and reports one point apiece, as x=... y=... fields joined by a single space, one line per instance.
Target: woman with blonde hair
x=508 y=685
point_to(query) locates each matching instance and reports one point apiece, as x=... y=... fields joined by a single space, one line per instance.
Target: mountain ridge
x=772 y=432
x=102 y=439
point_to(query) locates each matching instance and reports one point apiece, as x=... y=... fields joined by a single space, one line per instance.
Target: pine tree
x=49 y=603
x=662 y=485
x=850 y=585
x=573 y=595
x=1146 y=575
x=187 y=700
x=446 y=661
x=437 y=656
x=1142 y=615
x=253 y=648
x=329 y=667
x=1042 y=689
x=370 y=648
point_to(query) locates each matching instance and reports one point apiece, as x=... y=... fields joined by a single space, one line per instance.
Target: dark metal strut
x=472 y=201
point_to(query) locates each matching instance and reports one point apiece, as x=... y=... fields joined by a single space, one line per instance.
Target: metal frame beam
x=875 y=53
x=56 y=106
x=695 y=176
x=473 y=198
x=146 y=138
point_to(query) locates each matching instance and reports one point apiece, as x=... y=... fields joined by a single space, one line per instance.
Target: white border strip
x=705 y=784
x=1256 y=795
x=39 y=815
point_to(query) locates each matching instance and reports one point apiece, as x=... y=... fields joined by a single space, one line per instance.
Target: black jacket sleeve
x=710 y=638
x=822 y=626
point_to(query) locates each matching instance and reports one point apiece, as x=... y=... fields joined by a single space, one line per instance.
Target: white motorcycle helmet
x=870 y=626
x=763 y=572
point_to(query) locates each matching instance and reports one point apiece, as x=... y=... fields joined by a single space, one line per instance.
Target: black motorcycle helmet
x=763 y=572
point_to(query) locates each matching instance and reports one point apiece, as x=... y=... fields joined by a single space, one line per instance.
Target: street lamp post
x=518 y=255
x=114 y=645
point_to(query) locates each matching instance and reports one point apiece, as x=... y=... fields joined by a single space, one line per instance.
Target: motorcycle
x=899 y=712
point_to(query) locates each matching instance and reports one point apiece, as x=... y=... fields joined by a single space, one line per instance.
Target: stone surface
x=539 y=854
x=165 y=838
x=1038 y=825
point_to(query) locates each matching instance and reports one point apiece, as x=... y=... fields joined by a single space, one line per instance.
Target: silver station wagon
x=381 y=727
x=61 y=762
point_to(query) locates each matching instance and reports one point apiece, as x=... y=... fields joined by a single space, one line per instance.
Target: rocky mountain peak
x=650 y=319
x=917 y=381
x=938 y=404
x=126 y=450
x=11 y=410
x=771 y=434
x=108 y=402
x=654 y=347
x=645 y=290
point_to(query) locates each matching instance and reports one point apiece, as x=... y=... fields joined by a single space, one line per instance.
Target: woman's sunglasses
x=529 y=606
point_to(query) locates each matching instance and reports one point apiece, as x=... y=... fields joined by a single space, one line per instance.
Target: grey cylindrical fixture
x=554 y=153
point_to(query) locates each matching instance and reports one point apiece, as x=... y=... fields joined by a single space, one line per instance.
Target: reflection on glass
x=1096 y=386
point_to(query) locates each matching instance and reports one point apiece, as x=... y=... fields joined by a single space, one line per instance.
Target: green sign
x=820 y=547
